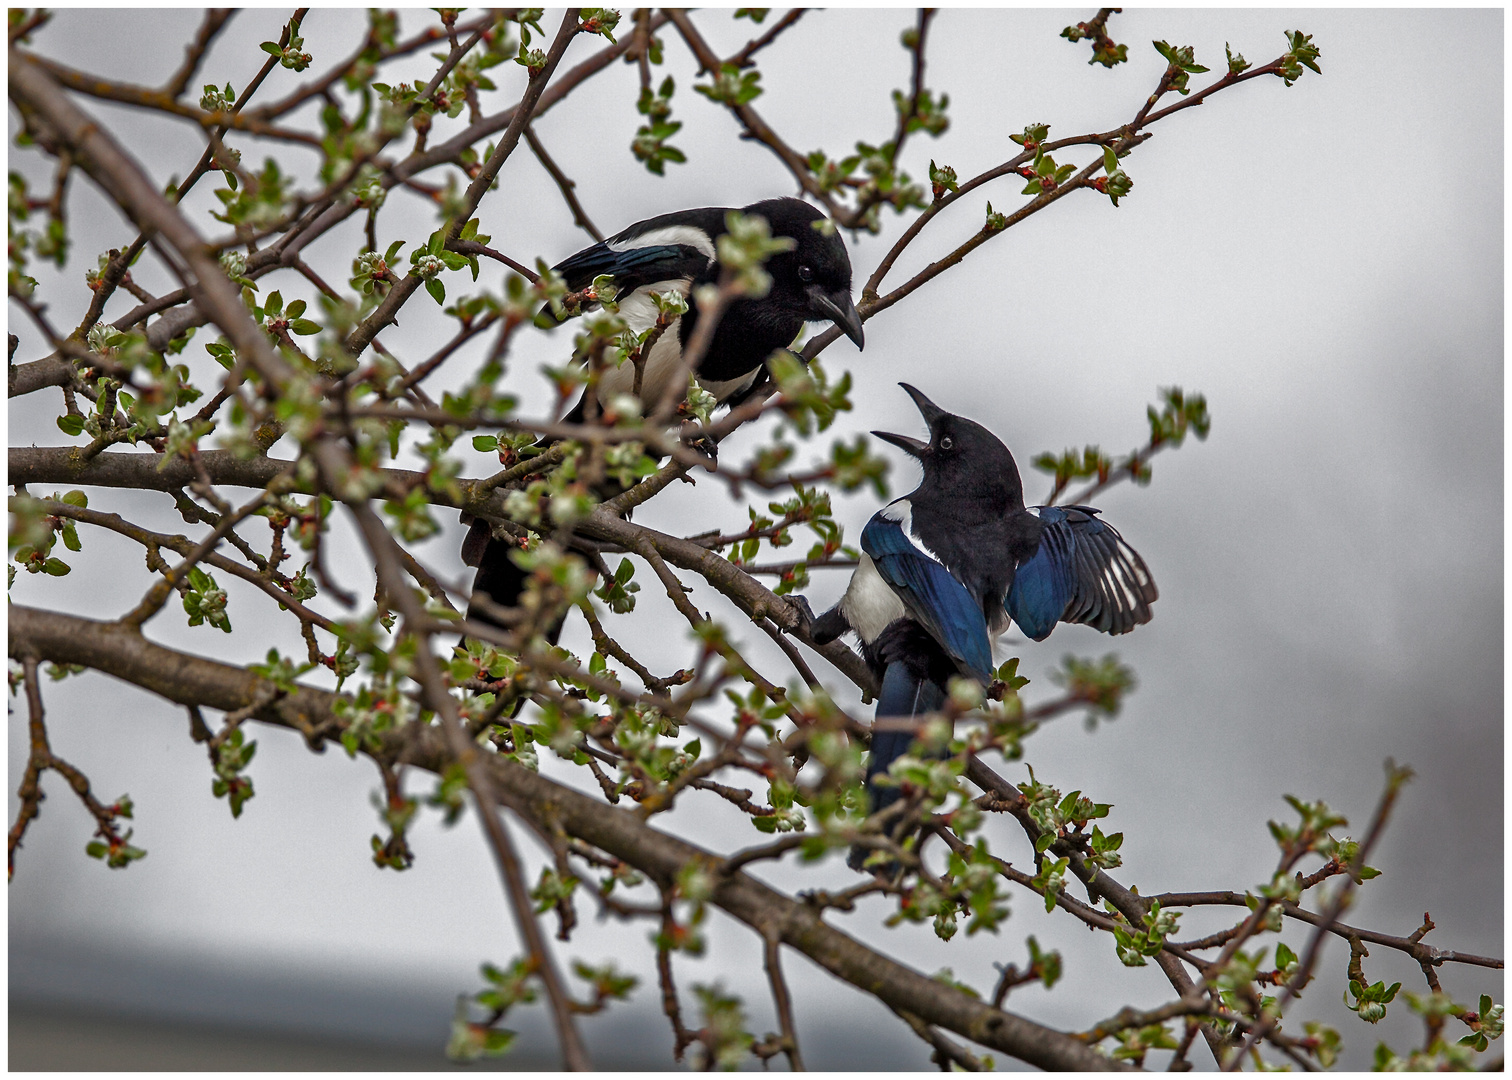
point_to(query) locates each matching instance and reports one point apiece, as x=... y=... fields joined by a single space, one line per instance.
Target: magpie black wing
x=633 y=267
x=1082 y=572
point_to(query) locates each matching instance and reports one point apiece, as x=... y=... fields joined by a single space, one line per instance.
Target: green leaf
x=71 y=424
x=437 y=290
x=272 y=48
x=485 y=443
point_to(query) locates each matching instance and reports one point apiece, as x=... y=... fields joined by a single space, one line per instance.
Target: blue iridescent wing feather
x=1082 y=572
x=632 y=267
x=936 y=599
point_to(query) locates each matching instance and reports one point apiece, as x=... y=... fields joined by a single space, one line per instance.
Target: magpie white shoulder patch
x=686 y=235
x=901 y=511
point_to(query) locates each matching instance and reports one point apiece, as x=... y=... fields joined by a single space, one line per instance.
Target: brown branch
x=215 y=21
x=385 y=552
x=1122 y=138
x=742 y=59
x=160 y=101
x=42 y=465
x=947 y=1052
x=783 y=1002
x=757 y=128
x=442 y=153
x=158 y=594
x=564 y=183
x=523 y=112
x=1129 y=904
x=39 y=375
x=472 y=247
x=40 y=759
x=191 y=680
x=183 y=545
x=682 y=1038
x=30 y=791
x=1395 y=778
x=318 y=87
x=926 y=16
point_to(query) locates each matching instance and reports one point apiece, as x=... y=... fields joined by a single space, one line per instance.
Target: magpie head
x=962 y=459
x=811 y=282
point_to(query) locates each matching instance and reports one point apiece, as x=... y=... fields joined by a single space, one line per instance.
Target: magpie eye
x=946 y=443
x=805 y=274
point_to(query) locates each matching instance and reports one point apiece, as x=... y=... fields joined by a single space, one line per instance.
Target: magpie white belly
x=869 y=603
x=664 y=360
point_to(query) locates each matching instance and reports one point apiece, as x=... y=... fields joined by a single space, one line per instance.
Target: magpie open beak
x=904 y=443
x=838 y=308
x=931 y=411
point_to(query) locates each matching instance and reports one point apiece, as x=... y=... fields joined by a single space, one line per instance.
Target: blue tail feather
x=904 y=694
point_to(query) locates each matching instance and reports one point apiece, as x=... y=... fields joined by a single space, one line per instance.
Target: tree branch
x=192 y=680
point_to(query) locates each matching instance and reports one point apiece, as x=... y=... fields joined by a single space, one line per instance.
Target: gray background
x=1324 y=262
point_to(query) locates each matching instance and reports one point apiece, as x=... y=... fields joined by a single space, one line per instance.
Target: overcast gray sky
x=1323 y=261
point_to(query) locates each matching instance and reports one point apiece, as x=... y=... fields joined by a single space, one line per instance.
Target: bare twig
x=215 y=21
x=564 y=184
x=1395 y=778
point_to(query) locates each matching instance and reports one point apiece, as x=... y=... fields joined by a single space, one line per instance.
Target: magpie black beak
x=929 y=409
x=904 y=443
x=838 y=308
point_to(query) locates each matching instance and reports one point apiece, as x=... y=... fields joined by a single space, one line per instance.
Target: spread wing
x=1082 y=572
x=940 y=603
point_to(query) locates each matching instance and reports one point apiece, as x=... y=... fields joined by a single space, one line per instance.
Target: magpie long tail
x=904 y=694
x=502 y=582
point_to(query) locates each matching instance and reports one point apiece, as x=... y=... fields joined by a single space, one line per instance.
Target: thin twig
x=564 y=184
x=783 y=1002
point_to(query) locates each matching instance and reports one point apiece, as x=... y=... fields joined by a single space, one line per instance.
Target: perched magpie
x=677 y=252
x=946 y=568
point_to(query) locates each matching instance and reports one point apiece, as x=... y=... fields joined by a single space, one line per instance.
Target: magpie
x=678 y=252
x=947 y=567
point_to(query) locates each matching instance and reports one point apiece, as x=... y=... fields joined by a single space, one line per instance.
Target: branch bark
x=192 y=680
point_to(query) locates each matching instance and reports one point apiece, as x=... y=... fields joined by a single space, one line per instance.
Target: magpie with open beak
x=948 y=566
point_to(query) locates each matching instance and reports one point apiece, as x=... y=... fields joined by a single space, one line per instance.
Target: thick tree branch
x=191 y=680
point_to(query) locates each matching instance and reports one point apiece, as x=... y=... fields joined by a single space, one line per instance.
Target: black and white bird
x=677 y=252
x=948 y=566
